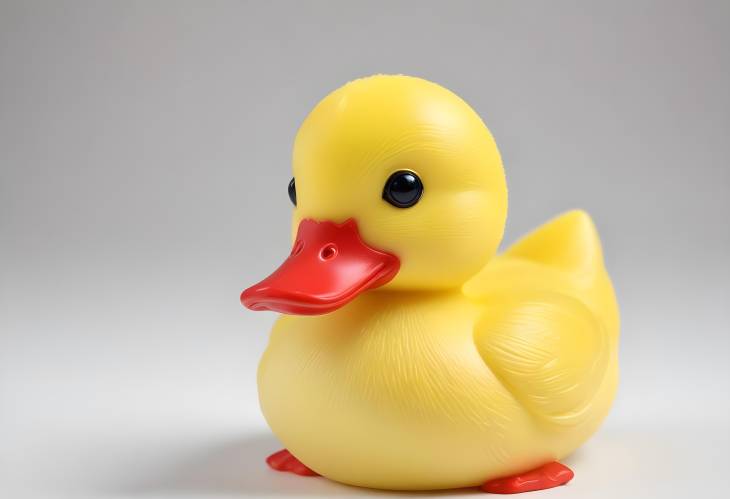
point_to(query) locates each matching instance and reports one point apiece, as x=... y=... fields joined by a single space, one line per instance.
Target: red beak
x=329 y=266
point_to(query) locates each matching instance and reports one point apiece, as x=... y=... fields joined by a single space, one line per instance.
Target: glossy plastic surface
x=545 y=477
x=329 y=265
x=403 y=189
x=467 y=366
x=285 y=461
x=292 y=191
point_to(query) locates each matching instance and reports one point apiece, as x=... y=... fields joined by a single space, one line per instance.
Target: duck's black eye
x=293 y=192
x=403 y=189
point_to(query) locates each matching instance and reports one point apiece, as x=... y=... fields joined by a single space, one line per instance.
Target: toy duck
x=410 y=355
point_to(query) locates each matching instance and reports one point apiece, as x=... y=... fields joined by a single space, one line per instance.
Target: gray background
x=144 y=158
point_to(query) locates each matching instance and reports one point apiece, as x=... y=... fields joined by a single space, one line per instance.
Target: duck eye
x=293 y=192
x=403 y=189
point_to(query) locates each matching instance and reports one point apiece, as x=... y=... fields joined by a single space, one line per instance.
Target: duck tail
x=569 y=241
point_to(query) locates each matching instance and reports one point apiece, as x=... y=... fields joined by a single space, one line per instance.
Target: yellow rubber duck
x=410 y=355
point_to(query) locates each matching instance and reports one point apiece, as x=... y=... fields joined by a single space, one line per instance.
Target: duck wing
x=550 y=324
x=549 y=350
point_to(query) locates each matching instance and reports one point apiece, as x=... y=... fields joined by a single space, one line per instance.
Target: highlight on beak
x=328 y=267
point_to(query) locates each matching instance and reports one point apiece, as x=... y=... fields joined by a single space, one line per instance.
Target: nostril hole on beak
x=298 y=247
x=328 y=252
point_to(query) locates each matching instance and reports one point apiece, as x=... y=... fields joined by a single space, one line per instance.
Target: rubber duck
x=409 y=354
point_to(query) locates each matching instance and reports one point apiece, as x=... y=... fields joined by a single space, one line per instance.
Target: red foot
x=284 y=461
x=546 y=476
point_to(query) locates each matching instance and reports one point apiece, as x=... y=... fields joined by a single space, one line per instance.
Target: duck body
x=410 y=356
x=392 y=391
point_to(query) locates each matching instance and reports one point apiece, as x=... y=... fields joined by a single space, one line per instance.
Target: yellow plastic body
x=467 y=366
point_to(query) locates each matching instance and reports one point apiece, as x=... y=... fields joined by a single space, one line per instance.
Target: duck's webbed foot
x=546 y=476
x=285 y=461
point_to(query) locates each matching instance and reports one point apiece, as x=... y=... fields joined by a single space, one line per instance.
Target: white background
x=144 y=158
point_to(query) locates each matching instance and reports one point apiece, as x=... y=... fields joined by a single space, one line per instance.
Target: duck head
x=398 y=185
